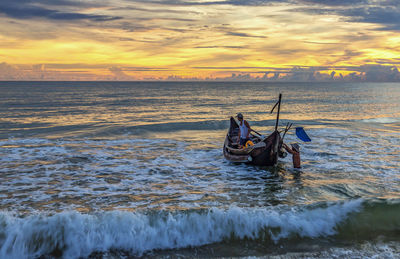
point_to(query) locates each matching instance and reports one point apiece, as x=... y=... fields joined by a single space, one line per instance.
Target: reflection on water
x=55 y=109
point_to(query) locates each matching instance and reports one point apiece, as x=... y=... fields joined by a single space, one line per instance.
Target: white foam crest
x=26 y=141
x=382 y=120
x=78 y=235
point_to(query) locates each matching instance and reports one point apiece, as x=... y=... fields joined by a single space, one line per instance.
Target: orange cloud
x=138 y=40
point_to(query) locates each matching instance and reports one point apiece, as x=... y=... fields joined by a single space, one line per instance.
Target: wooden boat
x=264 y=152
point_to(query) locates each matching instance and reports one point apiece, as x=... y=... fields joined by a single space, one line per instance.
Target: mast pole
x=279 y=109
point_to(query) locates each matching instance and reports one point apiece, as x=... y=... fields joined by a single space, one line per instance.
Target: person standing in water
x=295 y=151
x=244 y=131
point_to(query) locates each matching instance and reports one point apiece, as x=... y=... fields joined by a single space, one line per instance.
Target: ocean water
x=135 y=169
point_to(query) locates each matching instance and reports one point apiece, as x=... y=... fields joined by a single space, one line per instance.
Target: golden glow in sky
x=182 y=39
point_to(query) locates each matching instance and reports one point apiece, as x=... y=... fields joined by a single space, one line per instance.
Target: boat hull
x=263 y=153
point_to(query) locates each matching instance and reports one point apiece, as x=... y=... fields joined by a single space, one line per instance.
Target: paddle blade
x=301 y=134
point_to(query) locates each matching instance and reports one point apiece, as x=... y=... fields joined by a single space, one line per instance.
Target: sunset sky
x=199 y=39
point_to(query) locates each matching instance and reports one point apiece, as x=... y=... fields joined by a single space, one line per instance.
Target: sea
x=136 y=170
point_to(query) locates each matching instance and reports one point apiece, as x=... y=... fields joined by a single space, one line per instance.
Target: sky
x=289 y=40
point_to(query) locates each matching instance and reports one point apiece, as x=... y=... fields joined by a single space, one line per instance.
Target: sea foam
x=74 y=235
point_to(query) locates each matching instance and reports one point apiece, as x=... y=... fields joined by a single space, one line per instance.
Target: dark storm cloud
x=387 y=16
x=222 y=2
x=26 y=9
x=381 y=12
x=75 y=4
x=151 y=10
x=334 y=2
x=385 y=13
x=253 y=2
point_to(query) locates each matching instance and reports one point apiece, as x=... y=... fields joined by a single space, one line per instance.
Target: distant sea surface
x=130 y=169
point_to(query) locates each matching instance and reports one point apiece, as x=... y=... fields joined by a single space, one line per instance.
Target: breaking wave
x=72 y=234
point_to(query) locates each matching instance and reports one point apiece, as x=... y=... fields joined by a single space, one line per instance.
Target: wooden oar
x=256 y=132
x=255 y=135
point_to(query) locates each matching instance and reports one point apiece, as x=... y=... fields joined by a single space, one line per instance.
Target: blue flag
x=301 y=134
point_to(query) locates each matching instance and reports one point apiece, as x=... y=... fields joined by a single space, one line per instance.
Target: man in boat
x=244 y=131
x=295 y=151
